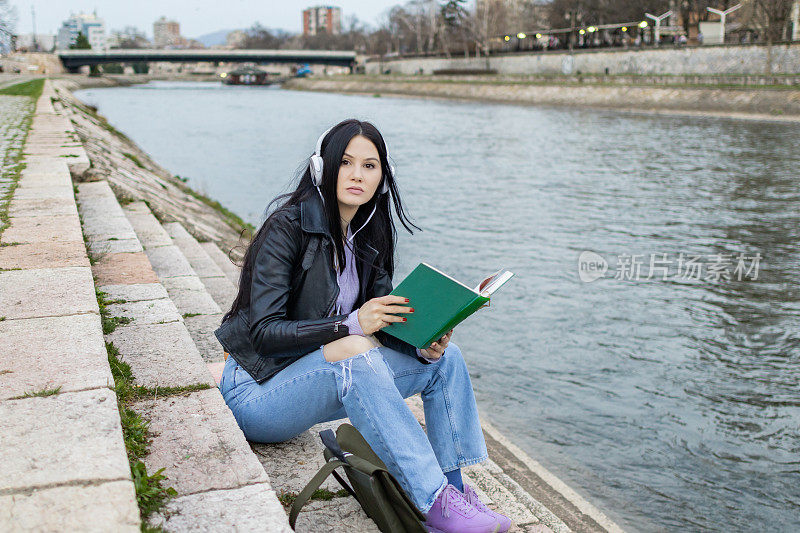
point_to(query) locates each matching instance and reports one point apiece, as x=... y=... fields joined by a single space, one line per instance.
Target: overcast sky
x=196 y=17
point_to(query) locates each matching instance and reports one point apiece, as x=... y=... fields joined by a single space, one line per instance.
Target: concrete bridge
x=73 y=59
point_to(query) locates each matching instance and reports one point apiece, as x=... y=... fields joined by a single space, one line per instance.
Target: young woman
x=305 y=341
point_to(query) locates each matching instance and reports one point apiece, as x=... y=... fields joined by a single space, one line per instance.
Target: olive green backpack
x=371 y=484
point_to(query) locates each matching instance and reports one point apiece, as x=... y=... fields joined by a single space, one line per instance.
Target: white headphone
x=315 y=165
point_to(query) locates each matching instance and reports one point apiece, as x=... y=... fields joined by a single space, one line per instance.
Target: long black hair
x=380 y=232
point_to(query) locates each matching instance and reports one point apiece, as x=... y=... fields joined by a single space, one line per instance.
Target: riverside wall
x=753 y=59
x=747 y=102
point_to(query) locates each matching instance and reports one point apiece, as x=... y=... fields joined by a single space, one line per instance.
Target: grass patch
x=38 y=394
x=2 y=318
x=31 y=88
x=101 y=120
x=151 y=492
x=190 y=315
x=134 y=159
x=5 y=372
x=232 y=218
x=109 y=322
x=13 y=172
x=9 y=244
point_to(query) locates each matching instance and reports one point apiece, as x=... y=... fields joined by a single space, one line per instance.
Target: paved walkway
x=61 y=447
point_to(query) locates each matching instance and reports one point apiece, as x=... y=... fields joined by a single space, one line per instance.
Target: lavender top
x=348 y=293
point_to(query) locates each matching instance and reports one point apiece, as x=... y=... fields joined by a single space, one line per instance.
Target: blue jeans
x=369 y=389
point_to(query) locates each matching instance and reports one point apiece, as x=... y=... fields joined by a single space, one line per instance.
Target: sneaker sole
x=432 y=529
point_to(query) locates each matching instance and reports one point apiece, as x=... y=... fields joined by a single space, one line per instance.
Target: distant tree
x=259 y=37
x=8 y=24
x=81 y=42
x=131 y=38
x=772 y=17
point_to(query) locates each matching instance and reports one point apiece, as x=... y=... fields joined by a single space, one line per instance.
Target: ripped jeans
x=369 y=389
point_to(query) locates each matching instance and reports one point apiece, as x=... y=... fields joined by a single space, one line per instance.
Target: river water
x=668 y=396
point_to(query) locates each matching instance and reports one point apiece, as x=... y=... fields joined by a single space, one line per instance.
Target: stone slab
x=47 y=292
x=107 y=506
x=44 y=168
x=113 y=245
x=97 y=206
x=201 y=329
x=44 y=255
x=254 y=508
x=216 y=371
x=60 y=228
x=198 y=443
x=292 y=463
x=46 y=353
x=134 y=293
x=500 y=498
x=168 y=262
x=223 y=261
x=147 y=311
x=161 y=355
x=66 y=438
x=42 y=207
x=339 y=515
x=147 y=227
x=190 y=295
x=222 y=291
x=202 y=264
x=123 y=268
x=107 y=226
x=94 y=189
x=45 y=192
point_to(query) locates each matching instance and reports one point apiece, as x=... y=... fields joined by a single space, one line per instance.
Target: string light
x=521 y=35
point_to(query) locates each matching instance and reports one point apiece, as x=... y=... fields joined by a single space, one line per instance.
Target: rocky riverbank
x=779 y=103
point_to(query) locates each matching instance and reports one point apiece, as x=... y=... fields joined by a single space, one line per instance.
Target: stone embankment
x=779 y=104
x=115 y=284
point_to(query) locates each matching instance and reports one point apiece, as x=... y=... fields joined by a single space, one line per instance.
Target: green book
x=440 y=303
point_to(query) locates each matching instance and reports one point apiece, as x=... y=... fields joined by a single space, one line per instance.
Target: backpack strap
x=309 y=489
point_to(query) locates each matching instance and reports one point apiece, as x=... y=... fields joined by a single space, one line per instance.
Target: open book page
x=489 y=285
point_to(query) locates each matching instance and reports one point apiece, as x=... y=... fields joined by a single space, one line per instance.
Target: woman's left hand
x=436 y=349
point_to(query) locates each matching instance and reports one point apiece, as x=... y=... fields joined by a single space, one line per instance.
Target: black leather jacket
x=293 y=293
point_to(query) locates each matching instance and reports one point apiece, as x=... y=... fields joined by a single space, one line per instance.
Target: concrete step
x=223 y=261
x=201 y=313
x=194 y=435
x=61 y=446
x=221 y=289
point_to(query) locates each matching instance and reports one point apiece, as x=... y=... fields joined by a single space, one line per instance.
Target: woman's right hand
x=378 y=313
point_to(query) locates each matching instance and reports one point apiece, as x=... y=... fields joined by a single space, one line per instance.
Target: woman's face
x=359 y=175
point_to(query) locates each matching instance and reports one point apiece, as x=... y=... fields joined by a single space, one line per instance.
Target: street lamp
x=658 y=23
x=722 y=15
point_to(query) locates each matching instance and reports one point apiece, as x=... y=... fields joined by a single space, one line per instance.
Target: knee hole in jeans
x=345 y=348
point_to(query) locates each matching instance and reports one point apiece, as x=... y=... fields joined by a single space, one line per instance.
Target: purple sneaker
x=472 y=498
x=451 y=513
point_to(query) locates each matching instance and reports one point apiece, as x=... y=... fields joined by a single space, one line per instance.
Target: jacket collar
x=312 y=216
x=312 y=220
